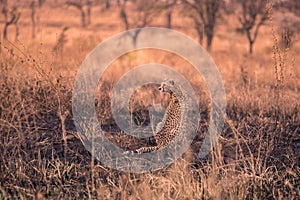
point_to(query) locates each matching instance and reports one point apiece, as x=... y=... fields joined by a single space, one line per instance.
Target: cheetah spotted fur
x=172 y=120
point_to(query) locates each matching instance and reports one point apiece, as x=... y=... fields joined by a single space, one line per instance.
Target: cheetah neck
x=173 y=98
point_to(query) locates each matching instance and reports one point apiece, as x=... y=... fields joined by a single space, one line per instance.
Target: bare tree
x=252 y=17
x=11 y=17
x=33 y=11
x=80 y=6
x=123 y=13
x=41 y=2
x=141 y=13
x=169 y=5
x=106 y=3
x=89 y=5
x=204 y=14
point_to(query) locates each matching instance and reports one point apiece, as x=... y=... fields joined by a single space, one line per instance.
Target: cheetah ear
x=172 y=82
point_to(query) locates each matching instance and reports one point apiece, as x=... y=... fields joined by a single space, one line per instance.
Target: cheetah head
x=167 y=86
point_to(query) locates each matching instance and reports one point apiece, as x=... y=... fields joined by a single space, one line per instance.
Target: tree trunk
x=199 y=29
x=209 y=32
x=124 y=17
x=135 y=36
x=89 y=12
x=79 y=6
x=251 y=41
x=5 y=31
x=209 y=42
x=82 y=17
x=251 y=47
x=169 y=19
x=15 y=16
x=107 y=4
x=33 y=18
x=41 y=2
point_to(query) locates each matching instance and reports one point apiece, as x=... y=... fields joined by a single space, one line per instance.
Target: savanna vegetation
x=255 y=45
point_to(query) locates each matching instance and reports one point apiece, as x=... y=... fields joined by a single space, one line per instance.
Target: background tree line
x=205 y=14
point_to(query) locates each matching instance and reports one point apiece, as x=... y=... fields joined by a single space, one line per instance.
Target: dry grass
x=257 y=156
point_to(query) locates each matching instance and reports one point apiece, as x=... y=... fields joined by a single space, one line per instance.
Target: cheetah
x=172 y=120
